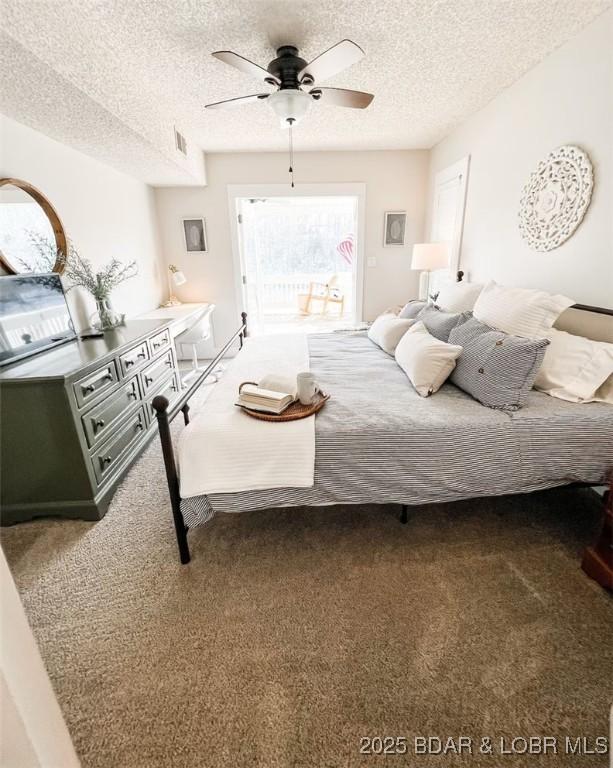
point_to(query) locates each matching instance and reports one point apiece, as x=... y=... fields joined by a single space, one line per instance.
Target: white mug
x=306 y=387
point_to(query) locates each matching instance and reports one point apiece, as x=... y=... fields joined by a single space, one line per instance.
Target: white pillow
x=574 y=367
x=426 y=360
x=387 y=330
x=520 y=311
x=604 y=394
x=458 y=297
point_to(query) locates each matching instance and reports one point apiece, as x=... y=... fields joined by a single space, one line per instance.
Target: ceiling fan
x=291 y=75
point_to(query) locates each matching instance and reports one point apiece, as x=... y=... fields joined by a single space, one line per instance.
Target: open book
x=271 y=395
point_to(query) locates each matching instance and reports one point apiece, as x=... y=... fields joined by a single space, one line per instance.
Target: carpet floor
x=294 y=633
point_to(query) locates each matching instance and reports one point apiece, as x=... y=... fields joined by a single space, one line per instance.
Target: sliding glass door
x=299 y=262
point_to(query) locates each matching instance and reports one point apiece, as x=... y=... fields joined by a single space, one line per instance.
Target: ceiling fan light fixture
x=290 y=105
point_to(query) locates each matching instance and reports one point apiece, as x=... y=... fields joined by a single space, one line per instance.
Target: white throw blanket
x=223 y=450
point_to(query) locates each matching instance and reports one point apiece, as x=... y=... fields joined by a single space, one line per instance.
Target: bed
x=377 y=441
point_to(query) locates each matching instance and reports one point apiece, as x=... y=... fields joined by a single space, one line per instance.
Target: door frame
x=357 y=190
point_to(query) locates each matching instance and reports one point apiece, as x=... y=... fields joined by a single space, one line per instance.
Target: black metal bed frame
x=166 y=414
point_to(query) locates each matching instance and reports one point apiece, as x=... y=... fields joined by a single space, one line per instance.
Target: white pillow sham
x=458 y=297
x=574 y=368
x=604 y=394
x=387 y=330
x=426 y=361
x=520 y=311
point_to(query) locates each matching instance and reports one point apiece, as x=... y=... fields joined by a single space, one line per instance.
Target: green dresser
x=74 y=418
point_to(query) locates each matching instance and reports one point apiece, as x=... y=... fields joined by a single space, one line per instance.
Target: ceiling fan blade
x=332 y=61
x=237 y=101
x=341 y=97
x=246 y=66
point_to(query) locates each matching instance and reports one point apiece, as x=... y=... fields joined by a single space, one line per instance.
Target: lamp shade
x=178 y=278
x=430 y=256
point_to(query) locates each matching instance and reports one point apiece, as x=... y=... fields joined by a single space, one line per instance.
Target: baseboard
x=85 y=509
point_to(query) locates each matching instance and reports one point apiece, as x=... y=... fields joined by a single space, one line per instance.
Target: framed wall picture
x=394 y=227
x=194 y=231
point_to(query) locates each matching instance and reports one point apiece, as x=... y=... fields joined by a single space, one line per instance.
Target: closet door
x=449 y=200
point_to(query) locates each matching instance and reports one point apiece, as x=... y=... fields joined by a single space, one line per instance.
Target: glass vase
x=105 y=317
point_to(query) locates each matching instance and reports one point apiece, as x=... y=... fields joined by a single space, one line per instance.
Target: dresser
x=74 y=418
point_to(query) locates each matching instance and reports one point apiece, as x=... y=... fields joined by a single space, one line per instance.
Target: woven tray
x=292 y=412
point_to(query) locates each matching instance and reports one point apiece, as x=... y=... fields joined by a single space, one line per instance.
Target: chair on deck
x=327 y=293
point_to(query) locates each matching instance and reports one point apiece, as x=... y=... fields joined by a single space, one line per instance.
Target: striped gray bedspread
x=377 y=441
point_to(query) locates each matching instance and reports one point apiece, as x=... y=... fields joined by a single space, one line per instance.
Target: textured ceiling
x=36 y=95
x=112 y=77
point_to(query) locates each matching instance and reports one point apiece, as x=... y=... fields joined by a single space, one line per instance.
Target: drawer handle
x=138 y=425
x=99 y=423
x=131 y=392
x=89 y=389
x=108 y=377
x=129 y=363
x=141 y=354
x=173 y=387
x=169 y=362
x=107 y=460
x=148 y=379
x=157 y=344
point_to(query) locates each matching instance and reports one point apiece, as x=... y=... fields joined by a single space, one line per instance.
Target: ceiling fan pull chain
x=291 y=153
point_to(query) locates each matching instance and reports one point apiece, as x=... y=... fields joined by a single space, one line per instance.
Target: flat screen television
x=34 y=315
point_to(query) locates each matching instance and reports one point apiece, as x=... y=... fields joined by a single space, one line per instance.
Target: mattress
x=378 y=441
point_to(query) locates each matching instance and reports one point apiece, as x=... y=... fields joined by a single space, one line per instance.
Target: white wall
x=34 y=734
x=395 y=180
x=567 y=99
x=104 y=212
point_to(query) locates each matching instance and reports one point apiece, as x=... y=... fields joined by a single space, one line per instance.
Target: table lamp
x=176 y=277
x=428 y=257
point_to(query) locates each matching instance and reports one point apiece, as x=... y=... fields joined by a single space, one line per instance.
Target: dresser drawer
x=99 y=422
x=155 y=372
x=131 y=360
x=88 y=388
x=170 y=389
x=159 y=341
x=108 y=456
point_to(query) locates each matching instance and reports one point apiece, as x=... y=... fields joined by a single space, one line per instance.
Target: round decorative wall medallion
x=556 y=197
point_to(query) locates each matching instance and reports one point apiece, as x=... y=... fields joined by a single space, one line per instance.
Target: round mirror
x=31 y=233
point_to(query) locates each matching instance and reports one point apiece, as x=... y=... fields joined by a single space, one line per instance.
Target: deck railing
x=279 y=293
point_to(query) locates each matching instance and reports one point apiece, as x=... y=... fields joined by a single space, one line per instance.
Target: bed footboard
x=165 y=415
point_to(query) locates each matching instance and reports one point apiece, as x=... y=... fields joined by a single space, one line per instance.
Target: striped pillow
x=496 y=368
x=522 y=311
x=439 y=323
